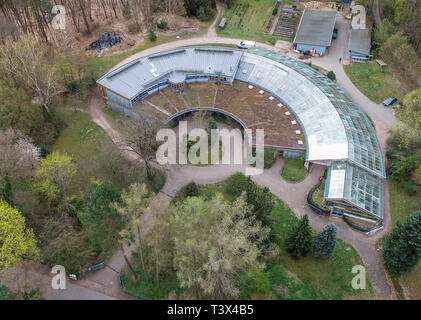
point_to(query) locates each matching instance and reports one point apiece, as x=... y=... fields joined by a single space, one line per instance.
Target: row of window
x=177 y=86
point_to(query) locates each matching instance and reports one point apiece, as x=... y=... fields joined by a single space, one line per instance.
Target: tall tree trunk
x=135 y=275
x=84 y=17
x=141 y=255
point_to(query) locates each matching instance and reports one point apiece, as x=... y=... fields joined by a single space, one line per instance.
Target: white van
x=245 y=44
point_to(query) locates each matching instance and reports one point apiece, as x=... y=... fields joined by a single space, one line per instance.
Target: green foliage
x=255 y=283
x=32 y=294
x=203 y=9
x=192 y=190
x=259 y=198
x=126 y=11
x=6 y=192
x=410 y=113
x=44 y=151
x=275 y=11
x=17 y=241
x=331 y=75
x=300 y=239
x=101 y=221
x=4 y=293
x=325 y=242
x=54 y=175
x=152 y=35
x=162 y=24
x=402 y=249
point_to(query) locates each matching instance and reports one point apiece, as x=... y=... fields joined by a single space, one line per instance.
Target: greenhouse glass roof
x=362 y=189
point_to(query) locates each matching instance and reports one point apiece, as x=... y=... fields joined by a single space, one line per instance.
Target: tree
x=214 y=242
x=131 y=209
x=18 y=156
x=325 y=242
x=17 y=241
x=152 y=35
x=55 y=174
x=100 y=219
x=6 y=191
x=28 y=61
x=156 y=220
x=410 y=113
x=140 y=138
x=4 y=293
x=300 y=239
x=402 y=249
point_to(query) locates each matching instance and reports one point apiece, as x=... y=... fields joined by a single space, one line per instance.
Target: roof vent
x=287 y=113
x=250 y=87
x=261 y=92
x=271 y=98
x=244 y=71
x=300 y=141
x=294 y=122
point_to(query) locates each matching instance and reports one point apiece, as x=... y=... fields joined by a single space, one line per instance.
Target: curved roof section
x=336 y=128
x=137 y=75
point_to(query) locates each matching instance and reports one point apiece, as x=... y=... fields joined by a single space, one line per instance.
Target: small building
x=222 y=23
x=315 y=30
x=360 y=45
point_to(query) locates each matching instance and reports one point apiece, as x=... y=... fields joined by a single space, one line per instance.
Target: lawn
x=377 y=86
x=304 y=278
x=247 y=19
x=293 y=169
x=402 y=206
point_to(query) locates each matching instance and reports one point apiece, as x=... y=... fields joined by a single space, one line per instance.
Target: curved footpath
x=293 y=194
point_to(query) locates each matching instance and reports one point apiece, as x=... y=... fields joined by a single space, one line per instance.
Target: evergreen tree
x=325 y=242
x=300 y=240
x=6 y=191
x=402 y=248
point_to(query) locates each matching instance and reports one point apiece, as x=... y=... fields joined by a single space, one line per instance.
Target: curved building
x=337 y=132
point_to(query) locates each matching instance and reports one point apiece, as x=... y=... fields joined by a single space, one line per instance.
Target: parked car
x=245 y=44
x=389 y=101
x=335 y=33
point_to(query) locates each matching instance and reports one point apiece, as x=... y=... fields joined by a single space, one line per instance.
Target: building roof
x=359 y=188
x=134 y=76
x=316 y=27
x=360 y=41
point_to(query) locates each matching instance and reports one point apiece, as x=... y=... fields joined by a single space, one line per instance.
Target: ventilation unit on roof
x=250 y=87
x=244 y=71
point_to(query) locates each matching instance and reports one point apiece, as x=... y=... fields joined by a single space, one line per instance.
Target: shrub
x=126 y=11
x=192 y=190
x=44 y=151
x=275 y=11
x=4 y=293
x=162 y=24
x=152 y=35
x=134 y=27
x=331 y=75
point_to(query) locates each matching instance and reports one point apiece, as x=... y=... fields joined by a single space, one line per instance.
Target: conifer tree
x=325 y=242
x=300 y=240
x=402 y=248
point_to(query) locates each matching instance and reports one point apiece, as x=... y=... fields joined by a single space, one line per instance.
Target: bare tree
x=140 y=138
x=27 y=60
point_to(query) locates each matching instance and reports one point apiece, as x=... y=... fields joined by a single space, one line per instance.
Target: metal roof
x=316 y=27
x=135 y=76
x=356 y=186
x=360 y=41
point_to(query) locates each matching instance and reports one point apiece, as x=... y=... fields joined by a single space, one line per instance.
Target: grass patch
x=376 y=85
x=247 y=19
x=318 y=195
x=293 y=169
